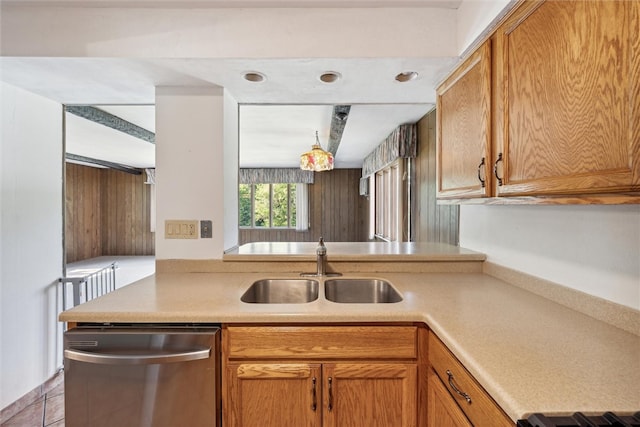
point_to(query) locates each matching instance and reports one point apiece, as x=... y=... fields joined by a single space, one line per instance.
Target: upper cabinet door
x=571 y=99
x=464 y=128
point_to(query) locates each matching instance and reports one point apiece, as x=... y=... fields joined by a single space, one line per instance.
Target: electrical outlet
x=180 y=229
x=206 y=231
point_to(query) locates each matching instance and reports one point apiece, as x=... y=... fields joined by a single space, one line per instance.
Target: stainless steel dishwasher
x=142 y=376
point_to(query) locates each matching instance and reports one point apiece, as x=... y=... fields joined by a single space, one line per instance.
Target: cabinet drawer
x=320 y=342
x=479 y=408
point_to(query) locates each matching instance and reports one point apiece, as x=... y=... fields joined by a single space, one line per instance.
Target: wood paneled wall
x=107 y=213
x=431 y=222
x=337 y=212
x=83 y=207
x=126 y=228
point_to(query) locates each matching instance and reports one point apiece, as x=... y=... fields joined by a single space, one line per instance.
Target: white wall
x=473 y=17
x=191 y=168
x=31 y=240
x=594 y=249
x=231 y=161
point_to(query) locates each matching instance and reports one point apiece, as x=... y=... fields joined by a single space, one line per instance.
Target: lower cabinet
x=328 y=394
x=273 y=394
x=442 y=410
x=320 y=376
x=348 y=376
x=454 y=397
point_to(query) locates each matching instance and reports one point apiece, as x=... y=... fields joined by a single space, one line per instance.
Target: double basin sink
x=299 y=291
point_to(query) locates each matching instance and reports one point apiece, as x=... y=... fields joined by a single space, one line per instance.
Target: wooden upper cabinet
x=464 y=128
x=570 y=92
x=548 y=106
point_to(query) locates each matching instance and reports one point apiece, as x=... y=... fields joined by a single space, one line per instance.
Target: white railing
x=91 y=284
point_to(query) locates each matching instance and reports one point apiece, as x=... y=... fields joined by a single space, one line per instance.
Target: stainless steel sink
x=360 y=291
x=282 y=291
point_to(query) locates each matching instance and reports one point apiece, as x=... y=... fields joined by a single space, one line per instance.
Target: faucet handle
x=321 y=249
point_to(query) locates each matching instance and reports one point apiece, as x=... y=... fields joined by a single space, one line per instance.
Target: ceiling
x=278 y=116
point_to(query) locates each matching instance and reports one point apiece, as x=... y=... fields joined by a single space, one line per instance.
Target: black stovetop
x=578 y=419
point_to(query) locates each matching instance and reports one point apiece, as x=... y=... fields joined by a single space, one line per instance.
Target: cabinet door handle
x=314 y=396
x=495 y=168
x=330 y=404
x=482 y=181
x=456 y=389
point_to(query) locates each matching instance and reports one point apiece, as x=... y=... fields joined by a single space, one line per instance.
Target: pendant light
x=317 y=159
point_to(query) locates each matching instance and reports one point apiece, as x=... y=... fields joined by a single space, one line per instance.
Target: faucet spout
x=321 y=263
x=321 y=258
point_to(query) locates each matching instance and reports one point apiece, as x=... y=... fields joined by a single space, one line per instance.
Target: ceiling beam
x=114 y=122
x=338 y=122
x=111 y=165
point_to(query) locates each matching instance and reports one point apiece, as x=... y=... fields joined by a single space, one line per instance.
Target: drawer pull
x=456 y=389
x=314 y=404
x=330 y=404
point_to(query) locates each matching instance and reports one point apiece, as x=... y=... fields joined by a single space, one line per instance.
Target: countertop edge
x=439 y=322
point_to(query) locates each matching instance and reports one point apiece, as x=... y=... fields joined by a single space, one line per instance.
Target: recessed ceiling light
x=254 y=76
x=330 y=77
x=406 y=76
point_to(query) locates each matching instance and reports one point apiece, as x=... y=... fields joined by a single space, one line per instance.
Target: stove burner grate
x=578 y=419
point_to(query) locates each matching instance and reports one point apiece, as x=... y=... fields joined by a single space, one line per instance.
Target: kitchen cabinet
x=443 y=410
x=320 y=376
x=455 y=398
x=564 y=107
x=464 y=128
x=370 y=394
x=273 y=394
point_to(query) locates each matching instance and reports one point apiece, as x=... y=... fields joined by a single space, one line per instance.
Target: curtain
x=274 y=176
x=401 y=143
x=151 y=180
x=302 y=207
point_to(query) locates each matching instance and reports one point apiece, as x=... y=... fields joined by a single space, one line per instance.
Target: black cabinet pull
x=314 y=403
x=482 y=181
x=495 y=168
x=330 y=404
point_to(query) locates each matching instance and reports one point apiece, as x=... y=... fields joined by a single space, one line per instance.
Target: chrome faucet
x=321 y=262
x=321 y=258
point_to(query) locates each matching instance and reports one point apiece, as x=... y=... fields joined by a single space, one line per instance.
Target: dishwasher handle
x=136 y=359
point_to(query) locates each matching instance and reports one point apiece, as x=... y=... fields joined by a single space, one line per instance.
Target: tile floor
x=48 y=410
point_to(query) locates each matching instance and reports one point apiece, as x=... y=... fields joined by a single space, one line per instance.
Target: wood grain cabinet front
x=443 y=410
x=569 y=81
x=297 y=376
x=273 y=394
x=467 y=402
x=548 y=108
x=463 y=110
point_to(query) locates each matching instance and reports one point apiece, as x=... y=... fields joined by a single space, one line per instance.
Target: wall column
x=196 y=168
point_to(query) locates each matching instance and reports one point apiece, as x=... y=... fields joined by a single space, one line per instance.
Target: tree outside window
x=267 y=205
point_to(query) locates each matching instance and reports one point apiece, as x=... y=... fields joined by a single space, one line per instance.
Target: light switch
x=205 y=229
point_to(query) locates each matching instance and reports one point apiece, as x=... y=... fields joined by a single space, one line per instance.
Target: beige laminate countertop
x=529 y=353
x=353 y=251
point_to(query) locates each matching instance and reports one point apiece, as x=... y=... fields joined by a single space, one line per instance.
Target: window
x=267 y=205
x=386 y=203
